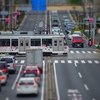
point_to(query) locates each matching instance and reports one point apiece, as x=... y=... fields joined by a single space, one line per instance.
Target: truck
x=34 y=57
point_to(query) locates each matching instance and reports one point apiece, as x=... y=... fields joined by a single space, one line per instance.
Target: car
x=78 y=32
x=3 y=77
x=4 y=67
x=27 y=85
x=65 y=17
x=77 y=41
x=10 y=62
x=70 y=36
x=55 y=30
x=68 y=30
x=37 y=78
x=65 y=22
x=32 y=69
x=55 y=23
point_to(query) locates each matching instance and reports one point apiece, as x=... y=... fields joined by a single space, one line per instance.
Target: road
x=76 y=75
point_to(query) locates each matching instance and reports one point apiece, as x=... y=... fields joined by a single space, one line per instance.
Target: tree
x=75 y=1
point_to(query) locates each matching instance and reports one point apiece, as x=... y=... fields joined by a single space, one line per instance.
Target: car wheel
x=5 y=83
x=17 y=95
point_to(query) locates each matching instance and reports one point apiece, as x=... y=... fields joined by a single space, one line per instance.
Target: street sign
x=38 y=5
x=4 y=12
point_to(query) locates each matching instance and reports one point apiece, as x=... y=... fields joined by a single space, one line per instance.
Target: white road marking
x=89 y=51
x=89 y=61
x=34 y=30
x=69 y=61
x=94 y=52
x=82 y=61
x=77 y=52
x=96 y=61
x=57 y=89
x=7 y=98
x=83 y=52
x=17 y=77
x=16 y=61
x=35 y=27
x=71 y=51
x=76 y=61
x=93 y=99
x=75 y=64
x=62 y=61
x=86 y=87
x=42 y=90
x=22 y=61
x=79 y=74
x=56 y=61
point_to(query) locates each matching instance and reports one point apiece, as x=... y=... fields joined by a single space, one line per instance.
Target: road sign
x=38 y=5
x=91 y=20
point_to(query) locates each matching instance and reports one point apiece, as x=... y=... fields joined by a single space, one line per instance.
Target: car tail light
x=18 y=85
x=36 y=79
x=26 y=83
x=38 y=72
x=4 y=70
x=13 y=65
x=2 y=77
x=24 y=71
x=34 y=85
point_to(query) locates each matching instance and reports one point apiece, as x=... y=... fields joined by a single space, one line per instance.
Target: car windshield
x=22 y=81
x=8 y=60
x=2 y=65
x=29 y=75
x=77 y=38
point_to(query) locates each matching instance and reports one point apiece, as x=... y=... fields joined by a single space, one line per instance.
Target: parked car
x=10 y=62
x=27 y=86
x=4 y=67
x=3 y=78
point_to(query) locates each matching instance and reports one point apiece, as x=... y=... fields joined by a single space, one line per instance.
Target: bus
x=16 y=42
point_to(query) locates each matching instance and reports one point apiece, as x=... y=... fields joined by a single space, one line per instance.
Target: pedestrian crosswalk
x=69 y=61
x=71 y=51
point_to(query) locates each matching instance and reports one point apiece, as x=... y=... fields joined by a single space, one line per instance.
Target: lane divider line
x=57 y=89
x=79 y=74
x=17 y=77
x=86 y=87
x=7 y=98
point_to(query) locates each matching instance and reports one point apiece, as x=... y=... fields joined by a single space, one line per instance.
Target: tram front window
x=14 y=42
x=4 y=42
x=35 y=42
x=47 y=42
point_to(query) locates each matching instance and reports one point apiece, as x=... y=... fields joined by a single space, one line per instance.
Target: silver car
x=27 y=86
x=10 y=62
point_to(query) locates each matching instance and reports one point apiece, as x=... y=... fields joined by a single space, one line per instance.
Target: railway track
x=49 y=84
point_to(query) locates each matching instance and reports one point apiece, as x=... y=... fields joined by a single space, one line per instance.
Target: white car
x=70 y=36
x=3 y=78
x=77 y=32
x=27 y=86
x=55 y=30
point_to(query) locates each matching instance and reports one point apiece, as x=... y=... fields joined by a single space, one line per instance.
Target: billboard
x=38 y=5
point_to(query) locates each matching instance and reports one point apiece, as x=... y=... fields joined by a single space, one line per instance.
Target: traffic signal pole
x=10 y=15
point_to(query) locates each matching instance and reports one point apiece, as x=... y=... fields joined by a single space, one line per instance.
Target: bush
x=75 y=1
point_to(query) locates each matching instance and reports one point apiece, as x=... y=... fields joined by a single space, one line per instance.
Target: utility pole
x=10 y=15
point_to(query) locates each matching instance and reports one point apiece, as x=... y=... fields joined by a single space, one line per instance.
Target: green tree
x=75 y=1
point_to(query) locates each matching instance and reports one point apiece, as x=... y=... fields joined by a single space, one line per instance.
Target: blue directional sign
x=38 y=5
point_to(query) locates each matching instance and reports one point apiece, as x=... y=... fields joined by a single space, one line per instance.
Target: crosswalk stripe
x=16 y=61
x=97 y=62
x=77 y=52
x=83 y=52
x=82 y=61
x=76 y=61
x=56 y=61
x=62 y=61
x=69 y=61
x=94 y=52
x=89 y=51
x=71 y=51
x=22 y=61
x=89 y=61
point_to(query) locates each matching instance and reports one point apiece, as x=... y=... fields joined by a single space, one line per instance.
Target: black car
x=4 y=67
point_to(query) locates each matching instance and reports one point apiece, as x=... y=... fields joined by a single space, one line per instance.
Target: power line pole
x=10 y=15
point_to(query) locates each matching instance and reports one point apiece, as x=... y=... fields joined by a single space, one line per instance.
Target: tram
x=16 y=42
